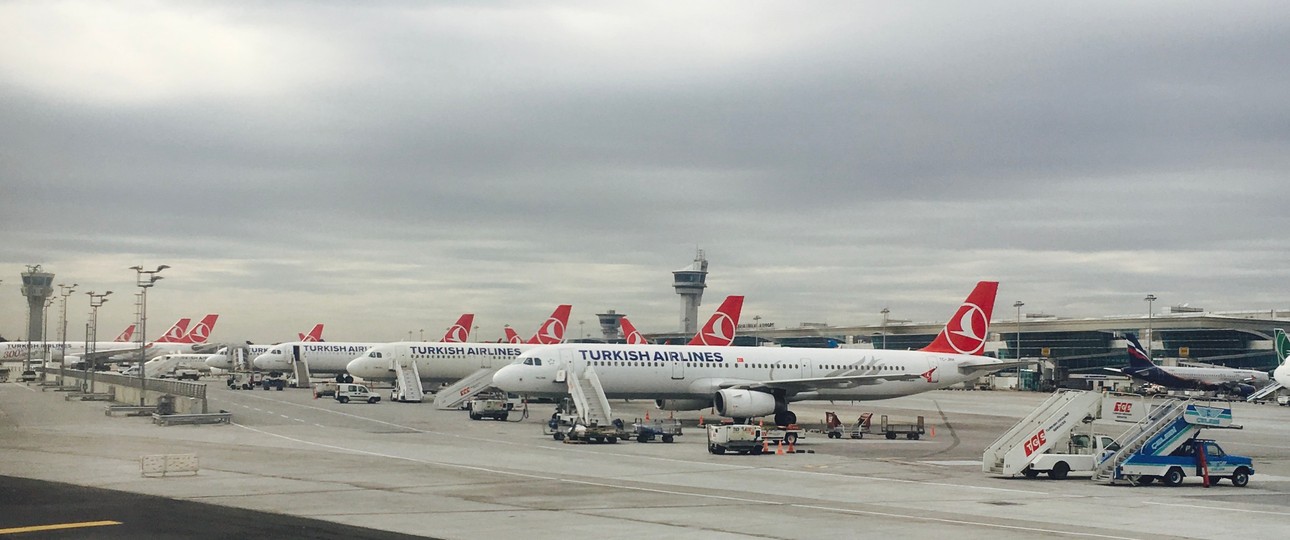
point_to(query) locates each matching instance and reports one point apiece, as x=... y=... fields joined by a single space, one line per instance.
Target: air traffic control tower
x=689 y=282
x=37 y=286
x=609 y=326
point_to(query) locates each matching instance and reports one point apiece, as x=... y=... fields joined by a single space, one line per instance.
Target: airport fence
x=165 y=386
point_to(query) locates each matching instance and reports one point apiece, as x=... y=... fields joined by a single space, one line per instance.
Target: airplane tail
x=1138 y=357
x=202 y=331
x=126 y=334
x=176 y=332
x=552 y=331
x=1283 y=345
x=460 y=332
x=633 y=335
x=720 y=329
x=967 y=330
x=511 y=336
x=313 y=335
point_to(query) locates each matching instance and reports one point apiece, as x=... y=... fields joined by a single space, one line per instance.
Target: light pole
x=96 y=300
x=64 y=291
x=1151 y=298
x=423 y=334
x=144 y=279
x=582 y=334
x=46 y=356
x=884 y=313
x=1018 y=305
x=474 y=331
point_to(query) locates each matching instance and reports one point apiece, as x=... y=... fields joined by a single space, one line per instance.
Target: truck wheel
x=1059 y=471
x=503 y=416
x=611 y=440
x=1241 y=477
x=372 y=399
x=343 y=399
x=790 y=438
x=756 y=450
x=912 y=436
x=718 y=449
x=474 y=416
x=558 y=436
x=668 y=438
x=891 y=435
x=641 y=438
x=1146 y=479
x=1173 y=477
x=1028 y=472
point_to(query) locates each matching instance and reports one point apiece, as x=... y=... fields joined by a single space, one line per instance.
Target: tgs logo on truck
x=1035 y=443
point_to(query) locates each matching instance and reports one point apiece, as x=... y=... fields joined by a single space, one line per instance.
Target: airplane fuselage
x=698 y=372
x=436 y=362
x=1198 y=378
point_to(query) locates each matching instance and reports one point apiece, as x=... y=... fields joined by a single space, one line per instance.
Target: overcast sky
x=382 y=167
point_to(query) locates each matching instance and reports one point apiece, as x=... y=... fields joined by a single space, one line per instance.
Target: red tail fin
x=126 y=335
x=720 y=330
x=967 y=330
x=511 y=336
x=202 y=331
x=313 y=335
x=634 y=336
x=176 y=332
x=552 y=331
x=460 y=332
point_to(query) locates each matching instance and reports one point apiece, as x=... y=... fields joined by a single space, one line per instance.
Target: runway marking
x=1219 y=508
x=964 y=522
x=959 y=463
x=23 y=386
x=58 y=526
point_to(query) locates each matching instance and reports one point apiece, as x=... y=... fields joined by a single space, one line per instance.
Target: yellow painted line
x=58 y=526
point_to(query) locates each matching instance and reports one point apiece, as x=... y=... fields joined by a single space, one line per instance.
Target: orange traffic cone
x=700 y=420
x=933 y=432
x=647 y=416
x=790 y=447
x=779 y=447
x=765 y=446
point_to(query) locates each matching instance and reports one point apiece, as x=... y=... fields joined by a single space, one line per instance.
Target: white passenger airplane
x=749 y=382
x=176 y=340
x=450 y=361
x=333 y=358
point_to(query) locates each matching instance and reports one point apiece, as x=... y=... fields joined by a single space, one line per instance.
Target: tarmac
x=411 y=469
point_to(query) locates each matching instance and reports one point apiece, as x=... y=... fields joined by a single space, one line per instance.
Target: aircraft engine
x=1245 y=389
x=743 y=403
x=682 y=404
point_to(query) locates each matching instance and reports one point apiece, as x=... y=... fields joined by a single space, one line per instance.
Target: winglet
x=459 y=332
x=552 y=331
x=720 y=329
x=967 y=330
x=633 y=335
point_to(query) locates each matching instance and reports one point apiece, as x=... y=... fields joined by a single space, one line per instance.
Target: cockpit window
x=528 y=361
x=276 y=351
x=537 y=361
x=376 y=355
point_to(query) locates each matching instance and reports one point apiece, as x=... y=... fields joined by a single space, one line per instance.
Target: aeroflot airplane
x=749 y=382
x=448 y=362
x=1240 y=381
x=720 y=329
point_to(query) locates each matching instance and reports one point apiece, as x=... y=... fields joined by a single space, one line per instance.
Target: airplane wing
x=795 y=386
x=982 y=367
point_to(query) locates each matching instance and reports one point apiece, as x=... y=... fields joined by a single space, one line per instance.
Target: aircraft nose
x=217 y=361
x=267 y=361
x=507 y=378
x=365 y=368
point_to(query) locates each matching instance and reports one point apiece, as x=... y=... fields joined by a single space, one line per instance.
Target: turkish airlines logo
x=175 y=333
x=721 y=330
x=458 y=334
x=635 y=338
x=928 y=374
x=966 y=330
x=552 y=331
x=200 y=333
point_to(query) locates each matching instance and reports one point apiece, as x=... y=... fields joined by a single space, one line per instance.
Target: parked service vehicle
x=346 y=392
x=742 y=438
x=1082 y=452
x=1171 y=469
x=497 y=409
x=1283 y=400
x=325 y=389
x=274 y=382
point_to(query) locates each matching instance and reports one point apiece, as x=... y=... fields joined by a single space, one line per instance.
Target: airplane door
x=806 y=368
x=566 y=364
x=296 y=354
x=678 y=370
